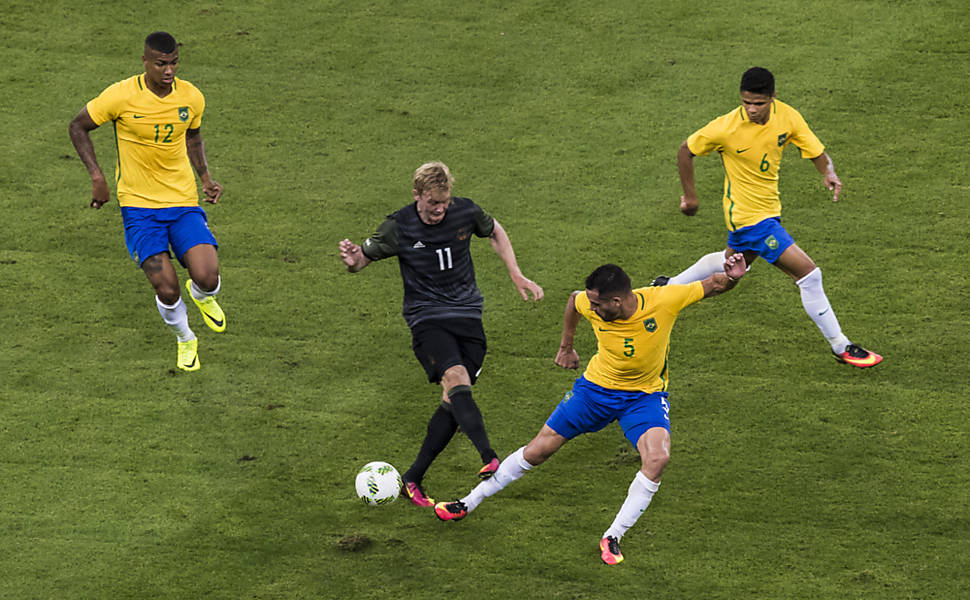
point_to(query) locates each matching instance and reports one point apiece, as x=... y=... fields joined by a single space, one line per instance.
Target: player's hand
x=350 y=253
x=525 y=286
x=567 y=358
x=734 y=266
x=99 y=192
x=211 y=191
x=688 y=206
x=834 y=184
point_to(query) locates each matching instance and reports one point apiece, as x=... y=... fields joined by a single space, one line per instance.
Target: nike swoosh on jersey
x=745 y=150
x=138 y=116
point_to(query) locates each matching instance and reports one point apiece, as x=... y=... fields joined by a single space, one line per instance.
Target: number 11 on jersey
x=443 y=254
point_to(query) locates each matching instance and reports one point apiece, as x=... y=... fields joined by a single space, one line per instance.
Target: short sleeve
x=108 y=105
x=484 y=223
x=804 y=138
x=706 y=139
x=675 y=298
x=582 y=304
x=383 y=243
x=199 y=108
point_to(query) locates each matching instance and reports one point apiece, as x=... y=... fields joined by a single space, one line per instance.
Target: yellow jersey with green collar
x=153 y=168
x=752 y=157
x=631 y=354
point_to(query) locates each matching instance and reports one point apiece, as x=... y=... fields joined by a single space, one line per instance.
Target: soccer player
x=750 y=140
x=156 y=118
x=625 y=381
x=442 y=305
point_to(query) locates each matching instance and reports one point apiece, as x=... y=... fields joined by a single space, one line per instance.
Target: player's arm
x=567 y=357
x=353 y=256
x=503 y=247
x=685 y=166
x=824 y=166
x=80 y=131
x=718 y=283
x=196 y=150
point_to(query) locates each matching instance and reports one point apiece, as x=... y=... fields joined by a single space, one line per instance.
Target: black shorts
x=441 y=344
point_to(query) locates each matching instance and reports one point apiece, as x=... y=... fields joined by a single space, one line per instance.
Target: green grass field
x=792 y=476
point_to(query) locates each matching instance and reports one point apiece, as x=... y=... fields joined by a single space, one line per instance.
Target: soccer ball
x=378 y=483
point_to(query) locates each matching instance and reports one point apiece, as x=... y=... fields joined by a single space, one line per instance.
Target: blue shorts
x=589 y=407
x=768 y=238
x=150 y=231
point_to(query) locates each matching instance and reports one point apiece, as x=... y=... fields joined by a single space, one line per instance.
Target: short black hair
x=161 y=41
x=609 y=279
x=758 y=80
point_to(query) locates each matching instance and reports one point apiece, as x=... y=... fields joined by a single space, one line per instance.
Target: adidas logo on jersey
x=418 y=244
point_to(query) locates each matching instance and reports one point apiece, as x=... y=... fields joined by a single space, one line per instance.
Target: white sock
x=637 y=500
x=818 y=308
x=199 y=294
x=177 y=319
x=708 y=265
x=514 y=466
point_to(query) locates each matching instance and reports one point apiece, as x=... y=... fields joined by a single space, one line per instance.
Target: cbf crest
x=782 y=139
x=650 y=325
x=184 y=113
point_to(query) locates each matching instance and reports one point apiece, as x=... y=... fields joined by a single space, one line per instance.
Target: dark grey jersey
x=435 y=261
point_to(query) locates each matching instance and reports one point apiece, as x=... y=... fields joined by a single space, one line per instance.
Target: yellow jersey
x=752 y=157
x=631 y=354
x=153 y=168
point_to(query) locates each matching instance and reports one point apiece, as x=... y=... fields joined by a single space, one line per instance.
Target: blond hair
x=432 y=176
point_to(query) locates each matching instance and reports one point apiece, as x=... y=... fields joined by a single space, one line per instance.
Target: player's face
x=757 y=106
x=432 y=204
x=608 y=308
x=160 y=68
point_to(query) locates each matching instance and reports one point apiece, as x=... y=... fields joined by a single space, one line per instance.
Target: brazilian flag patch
x=771 y=242
x=184 y=113
x=650 y=325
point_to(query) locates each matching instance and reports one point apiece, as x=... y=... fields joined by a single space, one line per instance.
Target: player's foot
x=659 y=281
x=189 y=355
x=610 y=550
x=857 y=356
x=211 y=311
x=489 y=469
x=450 y=511
x=417 y=496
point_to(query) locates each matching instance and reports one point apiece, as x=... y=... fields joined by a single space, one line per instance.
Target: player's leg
x=146 y=235
x=196 y=248
x=802 y=269
x=706 y=266
x=434 y=347
x=536 y=452
x=161 y=274
x=647 y=425
x=579 y=412
x=457 y=385
x=441 y=428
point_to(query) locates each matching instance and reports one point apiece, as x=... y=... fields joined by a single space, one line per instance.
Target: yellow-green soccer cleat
x=211 y=311
x=189 y=355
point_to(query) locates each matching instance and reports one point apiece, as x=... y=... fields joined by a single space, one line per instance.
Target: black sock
x=470 y=420
x=441 y=427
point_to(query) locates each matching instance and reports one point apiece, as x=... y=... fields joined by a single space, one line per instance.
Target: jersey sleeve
x=582 y=304
x=675 y=298
x=804 y=138
x=383 y=243
x=484 y=223
x=198 y=107
x=108 y=105
x=706 y=139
